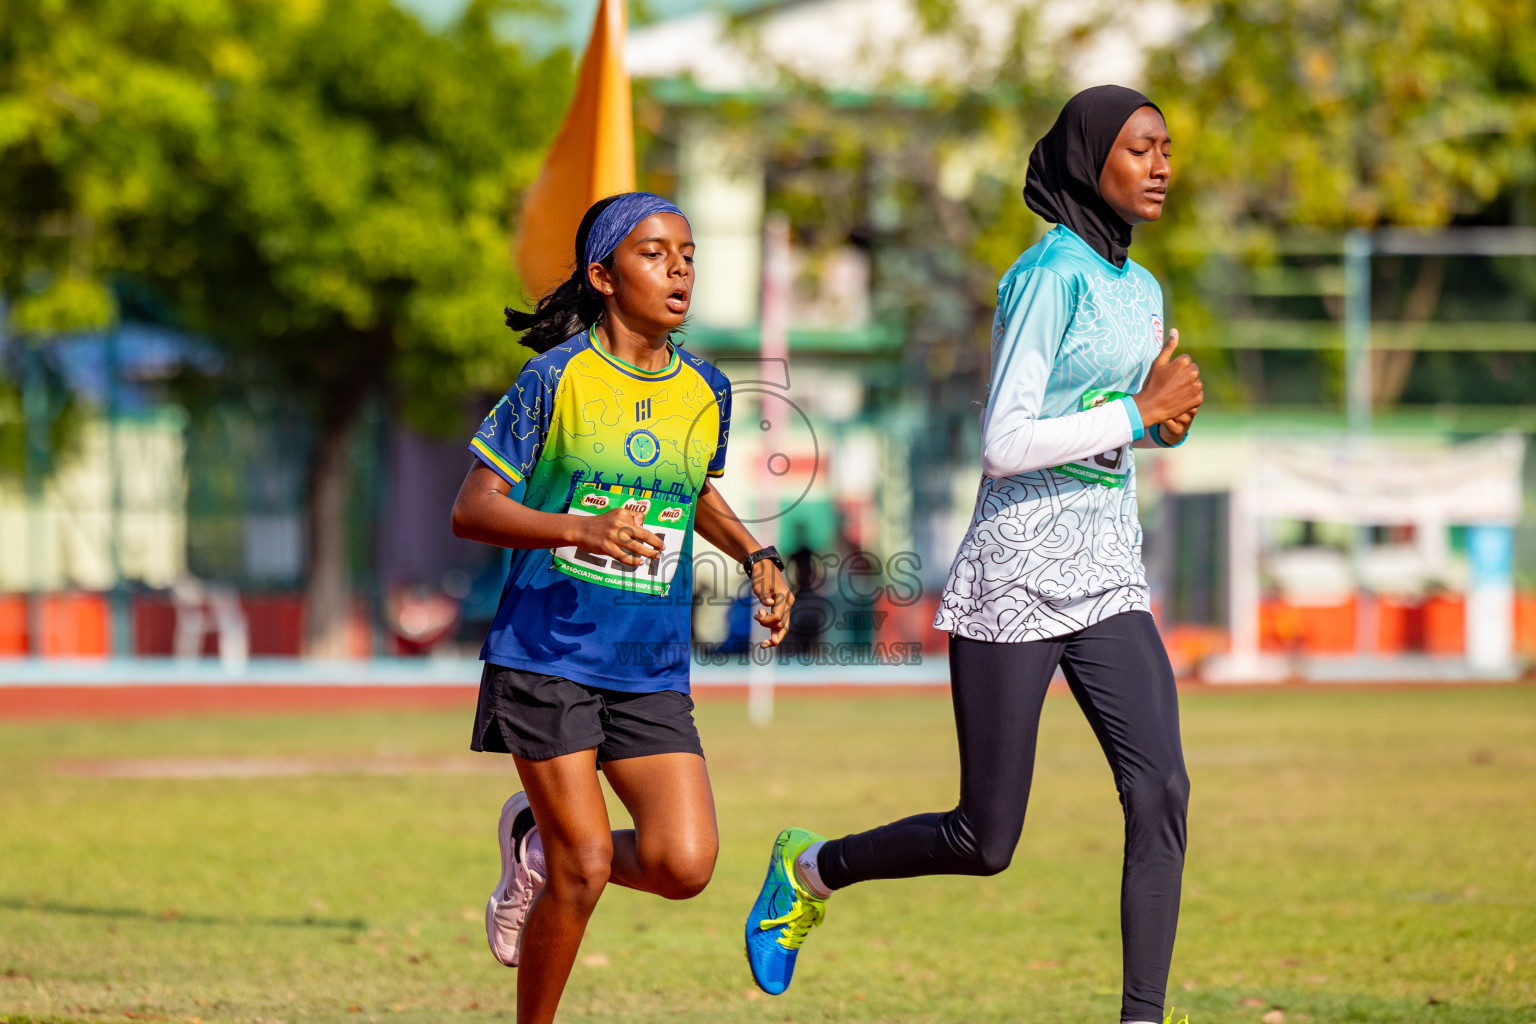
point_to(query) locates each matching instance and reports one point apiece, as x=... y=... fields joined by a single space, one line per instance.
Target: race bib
x=667 y=519
x=1108 y=469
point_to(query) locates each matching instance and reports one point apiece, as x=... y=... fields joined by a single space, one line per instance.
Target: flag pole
x=773 y=351
x=592 y=157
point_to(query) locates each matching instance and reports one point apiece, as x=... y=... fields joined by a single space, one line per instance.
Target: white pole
x=1243 y=576
x=1357 y=404
x=1357 y=390
x=1357 y=331
x=773 y=348
x=1244 y=663
x=1490 y=607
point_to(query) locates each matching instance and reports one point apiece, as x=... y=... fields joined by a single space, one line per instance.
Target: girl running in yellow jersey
x=595 y=469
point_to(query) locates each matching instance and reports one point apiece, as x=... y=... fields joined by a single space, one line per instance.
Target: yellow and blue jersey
x=578 y=420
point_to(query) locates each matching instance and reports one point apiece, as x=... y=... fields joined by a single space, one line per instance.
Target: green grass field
x=1354 y=856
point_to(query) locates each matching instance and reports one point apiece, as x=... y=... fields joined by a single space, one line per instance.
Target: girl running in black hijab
x=1049 y=574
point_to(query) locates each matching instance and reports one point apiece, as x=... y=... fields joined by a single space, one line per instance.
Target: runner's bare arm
x=716 y=523
x=486 y=512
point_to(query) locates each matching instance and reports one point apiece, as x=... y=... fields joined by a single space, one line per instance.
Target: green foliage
x=323 y=187
x=1351 y=114
x=103 y=109
x=1298 y=115
x=59 y=419
x=67 y=304
x=1286 y=115
x=362 y=204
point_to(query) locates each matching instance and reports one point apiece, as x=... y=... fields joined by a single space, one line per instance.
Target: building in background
x=822 y=111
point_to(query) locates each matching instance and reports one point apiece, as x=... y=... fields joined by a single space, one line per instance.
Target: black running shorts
x=538 y=717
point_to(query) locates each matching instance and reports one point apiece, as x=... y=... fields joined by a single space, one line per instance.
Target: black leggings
x=1119 y=673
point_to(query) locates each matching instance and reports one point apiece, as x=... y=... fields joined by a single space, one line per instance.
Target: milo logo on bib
x=667 y=518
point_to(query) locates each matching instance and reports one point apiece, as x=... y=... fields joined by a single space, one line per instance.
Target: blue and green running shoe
x=784 y=912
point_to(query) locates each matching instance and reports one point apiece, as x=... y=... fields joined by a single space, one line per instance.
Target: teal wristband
x=1157 y=437
x=1138 y=430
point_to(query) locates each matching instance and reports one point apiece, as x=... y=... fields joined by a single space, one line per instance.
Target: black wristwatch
x=767 y=554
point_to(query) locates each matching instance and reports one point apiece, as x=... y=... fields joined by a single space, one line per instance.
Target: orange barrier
x=1188 y=645
x=1399 y=625
x=1525 y=624
x=1315 y=629
x=908 y=623
x=13 y=625
x=78 y=625
x=1437 y=625
x=1445 y=624
x=74 y=625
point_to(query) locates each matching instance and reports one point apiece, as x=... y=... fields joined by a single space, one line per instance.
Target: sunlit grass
x=1354 y=856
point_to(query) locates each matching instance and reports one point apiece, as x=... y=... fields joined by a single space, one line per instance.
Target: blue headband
x=615 y=223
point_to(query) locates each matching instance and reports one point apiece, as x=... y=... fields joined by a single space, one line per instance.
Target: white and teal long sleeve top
x=1054 y=544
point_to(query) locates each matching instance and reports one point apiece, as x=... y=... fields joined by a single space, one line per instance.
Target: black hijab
x=1063 y=181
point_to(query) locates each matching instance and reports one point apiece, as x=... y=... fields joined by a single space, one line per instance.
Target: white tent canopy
x=1386 y=483
x=1364 y=481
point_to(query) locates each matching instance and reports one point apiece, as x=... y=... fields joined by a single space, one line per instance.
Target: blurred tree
x=324 y=188
x=355 y=244
x=51 y=427
x=1340 y=114
x=104 y=110
x=1352 y=113
x=1287 y=115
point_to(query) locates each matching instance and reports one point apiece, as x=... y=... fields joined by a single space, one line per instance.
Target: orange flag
x=592 y=157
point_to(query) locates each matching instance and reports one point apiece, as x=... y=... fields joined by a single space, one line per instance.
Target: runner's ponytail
x=569 y=308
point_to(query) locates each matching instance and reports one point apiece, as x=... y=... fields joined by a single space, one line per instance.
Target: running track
x=44 y=703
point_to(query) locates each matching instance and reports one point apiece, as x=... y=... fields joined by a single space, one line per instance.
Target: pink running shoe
x=522 y=875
